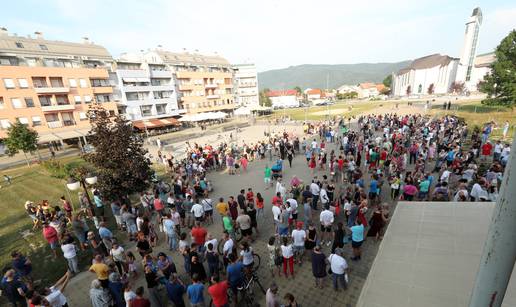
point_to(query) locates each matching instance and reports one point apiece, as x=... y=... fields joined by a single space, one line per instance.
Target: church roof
x=428 y=61
x=485 y=60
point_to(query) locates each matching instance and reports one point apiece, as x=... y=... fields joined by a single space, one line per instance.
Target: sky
x=272 y=34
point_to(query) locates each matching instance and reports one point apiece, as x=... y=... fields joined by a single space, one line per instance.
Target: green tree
x=265 y=101
x=500 y=84
x=21 y=137
x=119 y=156
x=387 y=81
x=298 y=90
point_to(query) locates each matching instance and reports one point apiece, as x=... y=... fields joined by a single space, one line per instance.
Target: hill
x=314 y=76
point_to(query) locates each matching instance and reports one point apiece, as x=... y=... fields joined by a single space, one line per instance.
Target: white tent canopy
x=202 y=116
x=243 y=111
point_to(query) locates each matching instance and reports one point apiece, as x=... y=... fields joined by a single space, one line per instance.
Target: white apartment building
x=245 y=85
x=147 y=91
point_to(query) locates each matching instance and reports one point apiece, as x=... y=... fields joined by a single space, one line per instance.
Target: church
x=435 y=74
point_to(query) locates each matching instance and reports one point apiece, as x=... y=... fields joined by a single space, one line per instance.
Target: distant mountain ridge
x=314 y=75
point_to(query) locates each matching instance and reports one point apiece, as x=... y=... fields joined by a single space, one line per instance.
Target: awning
x=70 y=134
x=47 y=137
x=143 y=80
x=155 y=123
x=130 y=79
x=169 y=121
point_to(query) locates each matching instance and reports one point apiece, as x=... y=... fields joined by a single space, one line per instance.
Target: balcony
x=130 y=73
x=186 y=87
x=52 y=90
x=210 y=85
x=137 y=88
x=67 y=123
x=102 y=89
x=212 y=96
x=56 y=124
x=57 y=108
x=161 y=74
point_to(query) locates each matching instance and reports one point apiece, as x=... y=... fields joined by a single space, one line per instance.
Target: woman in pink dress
x=431 y=152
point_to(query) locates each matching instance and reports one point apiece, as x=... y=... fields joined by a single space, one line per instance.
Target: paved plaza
x=226 y=185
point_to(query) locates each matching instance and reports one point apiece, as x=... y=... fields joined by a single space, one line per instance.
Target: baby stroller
x=277 y=169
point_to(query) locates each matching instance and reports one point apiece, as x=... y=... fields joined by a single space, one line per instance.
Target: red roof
x=282 y=93
x=314 y=91
x=367 y=85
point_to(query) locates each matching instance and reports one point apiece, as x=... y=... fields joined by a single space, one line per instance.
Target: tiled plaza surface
x=302 y=287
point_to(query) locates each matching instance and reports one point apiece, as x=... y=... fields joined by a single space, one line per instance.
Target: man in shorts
x=267 y=177
x=187 y=206
x=243 y=222
x=326 y=218
x=299 y=237
x=357 y=238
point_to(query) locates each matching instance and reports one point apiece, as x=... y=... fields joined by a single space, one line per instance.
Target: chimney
x=3 y=31
x=85 y=40
x=39 y=35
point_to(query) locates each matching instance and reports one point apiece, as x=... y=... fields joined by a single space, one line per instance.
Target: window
x=23 y=83
x=146 y=110
x=87 y=98
x=29 y=103
x=83 y=83
x=19 y=45
x=45 y=101
x=50 y=118
x=62 y=100
x=72 y=82
x=77 y=99
x=83 y=116
x=103 y=98
x=43 y=47
x=56 y=82
x=4 y=124
x=23 y=120
x=39 y=81
x=161 y=109
x=36 y=121
x=1 y=102
x=16 y=102
x=9 y=83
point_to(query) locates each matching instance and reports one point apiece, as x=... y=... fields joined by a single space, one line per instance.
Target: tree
x=431 y=89
x=385 y=91
x=457 y=87
x=119 y=156
x=500 y=84
x=387 y=81
x=265 y=101
x=409 y=90
x=21 y=137
x=298 y=90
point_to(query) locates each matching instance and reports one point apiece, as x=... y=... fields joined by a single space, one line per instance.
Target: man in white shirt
x=198 y=212
x=478 y=190
x=299 y=237
x=339 y=267
x=326 y=218
x=323 y=196
x=54 y=295
x=293 y=208
x=445 y=176
x=315 y=190
x=227 y=248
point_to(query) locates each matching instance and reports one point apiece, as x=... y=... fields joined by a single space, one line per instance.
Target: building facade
x=147 y=91
x=246 y=85
x=49 y=85
x=469 y=50
x=204 y=83
x=283 y=99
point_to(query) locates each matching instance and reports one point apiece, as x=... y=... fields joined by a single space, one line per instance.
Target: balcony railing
x=54 y=108
x=212 y=96
x=52 y=90
x=55 y=124
x=69 y=122
x=210 y=85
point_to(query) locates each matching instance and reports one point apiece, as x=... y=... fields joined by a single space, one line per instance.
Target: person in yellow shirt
x=222 y=208
x=101 y=269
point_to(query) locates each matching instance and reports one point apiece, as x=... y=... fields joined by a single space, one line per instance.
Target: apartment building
x=147 y=92
x=204 y=83
x=246 y=85
x=49 y=85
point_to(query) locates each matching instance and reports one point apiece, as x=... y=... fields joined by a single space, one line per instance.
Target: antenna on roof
x=39 y=35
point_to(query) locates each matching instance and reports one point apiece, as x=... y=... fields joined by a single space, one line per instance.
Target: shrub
x=54 y=168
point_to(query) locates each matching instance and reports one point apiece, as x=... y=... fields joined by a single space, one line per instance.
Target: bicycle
x=247 y=290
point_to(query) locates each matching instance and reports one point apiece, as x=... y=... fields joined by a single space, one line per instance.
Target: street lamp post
x=74 y=185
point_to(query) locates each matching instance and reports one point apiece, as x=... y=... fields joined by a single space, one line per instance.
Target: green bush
x=54 y=168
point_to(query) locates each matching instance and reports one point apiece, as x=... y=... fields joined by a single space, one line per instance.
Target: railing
x=46 y=90
x=55 y=124
x=68 y=122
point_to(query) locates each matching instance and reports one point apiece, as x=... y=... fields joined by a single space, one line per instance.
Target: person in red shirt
x=140 y=301
x=50 y=234
x=158 y=205
x=199 y=234
x=250 y=195
x=277 y=200
x=486 y=149
x=219 y=291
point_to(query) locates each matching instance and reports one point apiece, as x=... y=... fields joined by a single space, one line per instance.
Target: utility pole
x=499 y=254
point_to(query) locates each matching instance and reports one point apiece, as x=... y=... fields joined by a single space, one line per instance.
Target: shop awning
x=47 y=137
x=155 y=123
x=69 y=134
x=130 y=79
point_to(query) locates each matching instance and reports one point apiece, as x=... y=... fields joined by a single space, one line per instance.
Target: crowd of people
x=357 y=173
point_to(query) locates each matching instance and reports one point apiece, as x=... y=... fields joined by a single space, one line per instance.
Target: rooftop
x=282 y=93
x=11 y=45
x=186 y=58
x=430 y=256
x=428 y=61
